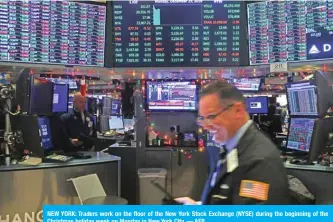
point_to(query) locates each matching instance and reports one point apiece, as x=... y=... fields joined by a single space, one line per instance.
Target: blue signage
x=319 y=44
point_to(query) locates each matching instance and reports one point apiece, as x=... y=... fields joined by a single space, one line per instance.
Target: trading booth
x=141 y=66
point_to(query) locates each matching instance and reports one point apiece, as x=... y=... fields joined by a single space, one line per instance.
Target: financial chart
x=179 y=33
x=278 y=29
x=56 y=32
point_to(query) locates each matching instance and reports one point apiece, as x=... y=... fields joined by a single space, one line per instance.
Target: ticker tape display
x=186 y=213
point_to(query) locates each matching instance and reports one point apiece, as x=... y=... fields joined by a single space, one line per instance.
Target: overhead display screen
x=56 y=32
x=320 y=44
x=278 y=29
x=166 y=33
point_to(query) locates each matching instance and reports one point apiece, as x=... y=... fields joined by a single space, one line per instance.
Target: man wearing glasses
x=249 y=169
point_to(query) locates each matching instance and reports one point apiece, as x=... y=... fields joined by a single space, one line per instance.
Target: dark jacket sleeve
x=268 y=173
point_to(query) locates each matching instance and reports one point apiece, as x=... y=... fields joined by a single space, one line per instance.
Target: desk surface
x=316 y=167
x=133 y=145
x=97 y=157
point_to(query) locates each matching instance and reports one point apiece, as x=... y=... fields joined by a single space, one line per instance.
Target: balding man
x=78 y=127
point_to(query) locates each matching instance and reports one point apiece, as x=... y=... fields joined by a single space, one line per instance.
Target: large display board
x=179 y=33
x=56 y=32
x=278 y=29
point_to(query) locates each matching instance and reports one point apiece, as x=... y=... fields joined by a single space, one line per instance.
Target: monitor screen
x=116 y=122
x=60 y=98
x=156 y=33
x=45 y=133
x=279 y=30
x=302 y=99
x=300 y=134
x=247 y=84
x=41 y=97
x=172 y=96
x=116 y=107
x=190 y=137
x=55 y=32
x=257 y=105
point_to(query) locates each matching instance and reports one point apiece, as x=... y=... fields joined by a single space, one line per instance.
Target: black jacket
x=74 y=128
x=259 y=163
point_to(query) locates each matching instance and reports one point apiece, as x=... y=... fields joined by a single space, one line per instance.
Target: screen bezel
x=119 y=116
x=310 y=82
x=312 y=136
x=171 y=110
x=67 y=97
x=257 y=112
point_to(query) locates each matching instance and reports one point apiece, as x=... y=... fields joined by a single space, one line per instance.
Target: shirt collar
x=232 y=143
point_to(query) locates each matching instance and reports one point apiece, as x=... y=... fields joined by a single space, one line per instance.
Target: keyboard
x=55 y=158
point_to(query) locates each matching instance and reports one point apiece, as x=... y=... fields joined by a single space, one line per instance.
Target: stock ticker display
x=302 y=99
x=56 y=32
x=300 y=134
x=278 y=29
x=179 y=33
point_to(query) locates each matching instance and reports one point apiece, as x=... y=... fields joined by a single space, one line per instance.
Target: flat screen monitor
x=116 y=122
x=41 y=97
x=247 y=84
x=300 y=134
x=172 y=96
x=179 y=33
x=257 y=105
x=60 y=98
x=116 y=107
x=287 y=31
x=302 y=99
x=45 y=133
x=54 y=32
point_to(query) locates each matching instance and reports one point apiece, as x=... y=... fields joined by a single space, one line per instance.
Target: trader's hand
x=185 y=201
x=76 y=142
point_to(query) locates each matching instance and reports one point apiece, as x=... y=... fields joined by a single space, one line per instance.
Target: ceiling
x=107 y=74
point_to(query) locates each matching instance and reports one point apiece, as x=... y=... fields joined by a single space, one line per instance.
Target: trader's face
x=79 y=103
x=217 y=118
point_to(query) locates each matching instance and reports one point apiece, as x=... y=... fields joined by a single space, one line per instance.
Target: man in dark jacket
x=78 y=127
x=249 y=170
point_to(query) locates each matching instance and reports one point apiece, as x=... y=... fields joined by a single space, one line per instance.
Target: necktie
x=222 y=155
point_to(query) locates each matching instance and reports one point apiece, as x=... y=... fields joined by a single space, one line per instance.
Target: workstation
x=140 y=73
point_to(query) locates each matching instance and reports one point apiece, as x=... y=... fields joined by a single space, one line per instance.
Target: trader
x=249 y=170
x=78 y=127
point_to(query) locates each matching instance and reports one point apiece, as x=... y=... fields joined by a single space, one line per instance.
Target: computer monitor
x=60 y=98
x=257 y=105
x=302 y=99
x=35 y=132
x=310 y=136
x=116 y=122
x=324 y=92
x=300 y=134
x=41 y=97
x=45 y=133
